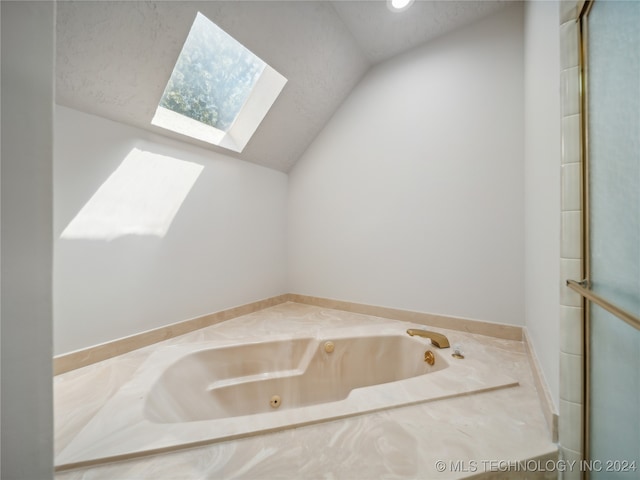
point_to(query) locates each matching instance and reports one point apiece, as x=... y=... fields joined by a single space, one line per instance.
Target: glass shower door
x=613 y=146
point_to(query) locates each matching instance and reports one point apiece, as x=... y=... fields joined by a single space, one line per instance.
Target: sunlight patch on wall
x=141 y=197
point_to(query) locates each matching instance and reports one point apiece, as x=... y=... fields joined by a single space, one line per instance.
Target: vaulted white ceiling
x=114 y=58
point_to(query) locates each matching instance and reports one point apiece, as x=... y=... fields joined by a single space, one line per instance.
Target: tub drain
x=275 y=401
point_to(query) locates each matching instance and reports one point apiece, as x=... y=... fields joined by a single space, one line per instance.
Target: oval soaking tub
x=198 y=393
x=242 y=380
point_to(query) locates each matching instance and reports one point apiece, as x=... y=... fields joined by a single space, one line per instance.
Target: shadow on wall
x=141 y=197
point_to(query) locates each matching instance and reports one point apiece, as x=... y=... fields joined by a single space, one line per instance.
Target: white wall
x=225 y=246
x=28 y=31
x=412 y=195
x=542 y=184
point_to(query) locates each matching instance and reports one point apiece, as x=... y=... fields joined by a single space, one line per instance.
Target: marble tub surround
x=499 y=330
x=181 y=395
x=546 y=402
x=87 y=356
x=404 y=442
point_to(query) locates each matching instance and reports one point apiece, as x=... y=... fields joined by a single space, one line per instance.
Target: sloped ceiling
x=114 y=58
x=382 y=34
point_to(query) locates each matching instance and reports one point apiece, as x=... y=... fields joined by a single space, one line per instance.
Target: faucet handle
x=457 y=351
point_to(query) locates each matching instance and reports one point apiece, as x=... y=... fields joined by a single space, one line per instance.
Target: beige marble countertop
x=471 y=434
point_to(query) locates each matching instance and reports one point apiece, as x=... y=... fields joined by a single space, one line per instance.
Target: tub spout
x=437 y=339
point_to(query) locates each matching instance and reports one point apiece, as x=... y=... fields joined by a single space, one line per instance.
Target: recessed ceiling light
x=399 y=5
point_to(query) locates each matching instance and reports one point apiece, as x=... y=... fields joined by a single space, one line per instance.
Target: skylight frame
x=259 y=101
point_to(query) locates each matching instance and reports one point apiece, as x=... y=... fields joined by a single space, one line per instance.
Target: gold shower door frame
x=582 y=286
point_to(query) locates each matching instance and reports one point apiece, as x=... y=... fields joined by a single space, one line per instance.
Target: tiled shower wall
x=571 y=327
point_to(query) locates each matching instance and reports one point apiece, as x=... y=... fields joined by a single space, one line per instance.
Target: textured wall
x=136 y=248
x=412 y=196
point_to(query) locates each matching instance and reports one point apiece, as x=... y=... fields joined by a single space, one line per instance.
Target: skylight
x=219 y=91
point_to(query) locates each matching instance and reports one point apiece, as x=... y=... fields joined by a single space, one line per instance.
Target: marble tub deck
x=405 y=442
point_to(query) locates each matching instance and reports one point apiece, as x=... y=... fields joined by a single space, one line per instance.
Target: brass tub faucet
x=437 y=339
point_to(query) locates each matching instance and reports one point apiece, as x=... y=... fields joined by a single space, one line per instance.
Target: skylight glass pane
x=213 y=76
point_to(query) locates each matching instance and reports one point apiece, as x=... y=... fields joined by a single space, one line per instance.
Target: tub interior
x=242 y=380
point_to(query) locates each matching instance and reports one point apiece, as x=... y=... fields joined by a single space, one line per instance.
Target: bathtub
x=194 y=394
x=257 y=378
